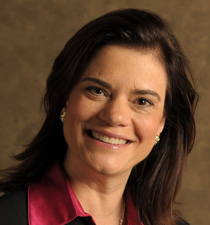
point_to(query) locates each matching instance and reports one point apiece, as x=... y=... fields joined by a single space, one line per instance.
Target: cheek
x=147 y=128
x=75 y=110
x=73 y=122
x=79 y=110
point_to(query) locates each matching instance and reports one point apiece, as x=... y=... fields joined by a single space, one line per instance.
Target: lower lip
x=107 y=145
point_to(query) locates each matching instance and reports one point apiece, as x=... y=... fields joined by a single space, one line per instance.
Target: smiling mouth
x=107 y=139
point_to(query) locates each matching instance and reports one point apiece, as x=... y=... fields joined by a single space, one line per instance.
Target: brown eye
x=95 y=90
x=143 y=102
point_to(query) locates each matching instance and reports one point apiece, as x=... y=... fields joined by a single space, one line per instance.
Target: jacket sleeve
x=13 y=208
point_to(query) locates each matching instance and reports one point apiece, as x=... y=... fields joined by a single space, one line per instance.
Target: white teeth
x=112 y=140
x=122 y=142
x=106 y=139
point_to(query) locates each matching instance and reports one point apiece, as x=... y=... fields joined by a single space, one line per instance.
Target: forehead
x=125 y=62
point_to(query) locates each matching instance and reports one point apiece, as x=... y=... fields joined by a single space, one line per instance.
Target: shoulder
x=13 y=208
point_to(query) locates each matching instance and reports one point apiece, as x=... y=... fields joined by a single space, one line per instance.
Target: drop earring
x=62 y=116
x=157 y=139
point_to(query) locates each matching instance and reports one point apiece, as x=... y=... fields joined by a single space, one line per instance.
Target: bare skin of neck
x=100 y=195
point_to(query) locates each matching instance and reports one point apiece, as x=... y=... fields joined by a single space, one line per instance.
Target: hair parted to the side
x=154 y=182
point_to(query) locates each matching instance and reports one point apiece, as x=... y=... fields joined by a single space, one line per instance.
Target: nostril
x=115 y=114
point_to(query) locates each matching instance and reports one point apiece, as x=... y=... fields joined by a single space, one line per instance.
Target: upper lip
x=111 y=135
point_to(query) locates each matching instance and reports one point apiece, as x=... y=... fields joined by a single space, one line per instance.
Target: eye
x=143 y=102
x=96 y=90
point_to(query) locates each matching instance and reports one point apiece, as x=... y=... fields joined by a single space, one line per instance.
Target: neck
x=104 y=205
x=99 y=194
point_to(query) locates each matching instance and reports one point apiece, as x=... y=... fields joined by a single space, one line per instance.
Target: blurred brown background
x=32 y=33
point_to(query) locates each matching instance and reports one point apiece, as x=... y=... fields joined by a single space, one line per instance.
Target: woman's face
x=115 y=112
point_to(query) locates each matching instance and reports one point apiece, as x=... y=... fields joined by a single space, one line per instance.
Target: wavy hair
x=154 y=182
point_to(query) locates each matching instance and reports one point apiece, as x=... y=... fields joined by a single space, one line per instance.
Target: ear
x=63 y=109
x=161 y=125
x=67 y=103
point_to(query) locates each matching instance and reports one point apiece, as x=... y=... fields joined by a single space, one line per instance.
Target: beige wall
x=33 y=32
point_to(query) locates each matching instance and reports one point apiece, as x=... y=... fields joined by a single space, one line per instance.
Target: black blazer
x=13 y=210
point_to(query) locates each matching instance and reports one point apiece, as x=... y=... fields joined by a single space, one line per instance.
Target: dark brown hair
x=154 y=182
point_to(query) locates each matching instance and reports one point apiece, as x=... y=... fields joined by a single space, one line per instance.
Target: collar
x=52 y=201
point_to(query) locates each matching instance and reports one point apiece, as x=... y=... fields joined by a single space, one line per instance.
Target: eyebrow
x=95 y=80
x=148 y=92
x=137 y=91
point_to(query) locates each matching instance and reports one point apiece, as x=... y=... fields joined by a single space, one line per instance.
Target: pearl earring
x=62 y=115
x=157 y=139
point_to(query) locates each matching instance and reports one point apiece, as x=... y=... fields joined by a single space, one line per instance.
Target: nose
x=116 y=112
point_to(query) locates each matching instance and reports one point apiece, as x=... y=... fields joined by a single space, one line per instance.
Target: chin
x=109 y=167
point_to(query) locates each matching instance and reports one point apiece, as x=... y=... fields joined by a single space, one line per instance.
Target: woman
x=120 y=123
